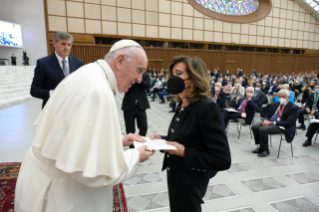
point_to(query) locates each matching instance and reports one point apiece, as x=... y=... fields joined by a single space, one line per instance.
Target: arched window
x=235 y=11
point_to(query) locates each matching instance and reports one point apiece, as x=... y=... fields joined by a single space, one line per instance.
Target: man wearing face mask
x=264 y=87
x=219 y=96
x=261 y=96
x=272 y=87
x=306 y=91
x=246 y=108
x=280 y=118
x=310 y=107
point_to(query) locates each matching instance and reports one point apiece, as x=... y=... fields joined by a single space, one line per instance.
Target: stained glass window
x=314 y=4
x=230 y=7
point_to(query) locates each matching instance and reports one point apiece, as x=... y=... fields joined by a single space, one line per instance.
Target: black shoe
x=172 y=111
x=307 y=143
x=263 y=153
x=258 y=150
x=302 y=126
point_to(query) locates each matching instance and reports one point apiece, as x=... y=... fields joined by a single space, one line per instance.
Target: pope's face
x=132 y=71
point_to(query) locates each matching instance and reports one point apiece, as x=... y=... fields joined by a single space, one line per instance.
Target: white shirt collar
x=60 y=58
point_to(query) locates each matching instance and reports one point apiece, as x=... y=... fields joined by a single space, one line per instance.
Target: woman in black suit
x=197 y=131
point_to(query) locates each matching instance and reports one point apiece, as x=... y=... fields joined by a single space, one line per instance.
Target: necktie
x=65 y=68
x=243 y=106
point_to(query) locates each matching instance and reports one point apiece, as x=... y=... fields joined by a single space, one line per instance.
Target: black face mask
x=176 y=85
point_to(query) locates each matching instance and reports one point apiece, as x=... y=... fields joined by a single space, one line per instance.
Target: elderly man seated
x=280 y=118
x=219 y=96
x=246 y=107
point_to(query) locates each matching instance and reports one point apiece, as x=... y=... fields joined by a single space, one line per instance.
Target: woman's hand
x=180 y=149
x=129 y=138
x=155 y=136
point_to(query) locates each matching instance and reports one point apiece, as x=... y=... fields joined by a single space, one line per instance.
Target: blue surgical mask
x=317 y=90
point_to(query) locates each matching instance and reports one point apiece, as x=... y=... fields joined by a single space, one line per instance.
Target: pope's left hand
x=180 y=149
x=129 y=138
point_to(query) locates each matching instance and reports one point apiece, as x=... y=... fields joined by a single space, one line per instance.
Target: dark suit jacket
x=305 y=96
x=250 y=109
x=221 y=99
x=288 y=118
x=137 y=92
x=310 y=101
x=262 y=98
x=48 y=74
x=199 y=127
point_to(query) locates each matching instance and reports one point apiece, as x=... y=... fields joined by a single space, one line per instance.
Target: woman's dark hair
x=197 y=72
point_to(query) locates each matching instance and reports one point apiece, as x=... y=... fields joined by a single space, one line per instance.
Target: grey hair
x=287 y=86
x=251 y=87
x=285 y=92
x=218 y=83
x=62 y=35
x=129 y=53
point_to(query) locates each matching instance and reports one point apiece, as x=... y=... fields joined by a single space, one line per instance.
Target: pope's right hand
x=155 y=136
x=144 y=153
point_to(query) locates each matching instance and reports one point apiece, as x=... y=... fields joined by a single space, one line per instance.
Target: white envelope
x=156 y=144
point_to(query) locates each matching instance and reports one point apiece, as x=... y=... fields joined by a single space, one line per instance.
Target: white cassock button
x=168 y=168
x=167 y=156
x=172 y=130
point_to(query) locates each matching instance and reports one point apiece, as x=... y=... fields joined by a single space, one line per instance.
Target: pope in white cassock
x=77 y=155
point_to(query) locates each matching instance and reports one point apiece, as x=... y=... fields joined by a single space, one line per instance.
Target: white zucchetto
x=124 y=44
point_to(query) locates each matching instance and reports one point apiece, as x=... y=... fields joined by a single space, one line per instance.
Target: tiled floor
x=252 y=184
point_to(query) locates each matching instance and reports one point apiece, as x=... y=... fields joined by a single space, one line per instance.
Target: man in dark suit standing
x=51 y=70
x=13 y=60
x=280 y=118
x=134 y=105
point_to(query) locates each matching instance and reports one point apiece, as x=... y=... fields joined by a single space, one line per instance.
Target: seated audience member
x=280 y=118
x=156 y=88
x=313 y=127
x=272 y=87
x=162 y=93
x=237 y=91
x=261 y=96
x=246 y=107
x=310 y=107
x=264 y=87
x=219 y=96
x=297 y=87
x=228 y=88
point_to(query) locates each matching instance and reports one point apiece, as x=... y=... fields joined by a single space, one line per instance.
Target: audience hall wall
x=225 y=60
x=288 y=24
